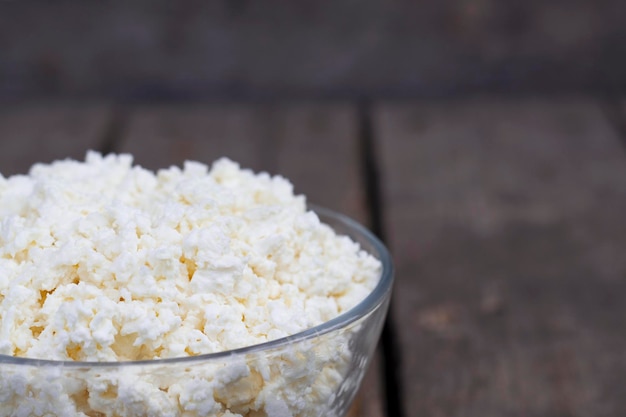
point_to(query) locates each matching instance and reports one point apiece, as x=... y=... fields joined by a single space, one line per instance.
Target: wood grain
x=314 y=145
x=506 y=223
x=43 y=133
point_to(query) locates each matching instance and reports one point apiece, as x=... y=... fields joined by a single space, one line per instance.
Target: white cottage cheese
x=104 y=261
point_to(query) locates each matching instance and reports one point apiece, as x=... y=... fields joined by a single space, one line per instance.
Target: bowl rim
x=370 y=303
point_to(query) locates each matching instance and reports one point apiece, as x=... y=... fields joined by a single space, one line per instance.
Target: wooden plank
x=160 y=136
x=506 y=223
x=315 y=146
x=43 y=133
x=312 y=145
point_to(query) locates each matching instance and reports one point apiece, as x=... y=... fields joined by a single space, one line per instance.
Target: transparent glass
x=313 y=373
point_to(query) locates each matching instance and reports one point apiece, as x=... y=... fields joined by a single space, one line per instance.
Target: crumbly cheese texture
x=105 y=261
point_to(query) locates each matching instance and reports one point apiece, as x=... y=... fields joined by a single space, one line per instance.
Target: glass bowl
x=313 y=373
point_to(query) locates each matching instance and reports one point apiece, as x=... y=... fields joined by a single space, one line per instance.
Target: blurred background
x=241 y=49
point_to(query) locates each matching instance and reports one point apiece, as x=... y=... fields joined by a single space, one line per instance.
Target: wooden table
x=504 y=217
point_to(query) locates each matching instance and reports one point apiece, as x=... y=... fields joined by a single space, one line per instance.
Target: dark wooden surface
x=241 y=48
x=506 y=221
x=504 y=217
x=43 y=133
